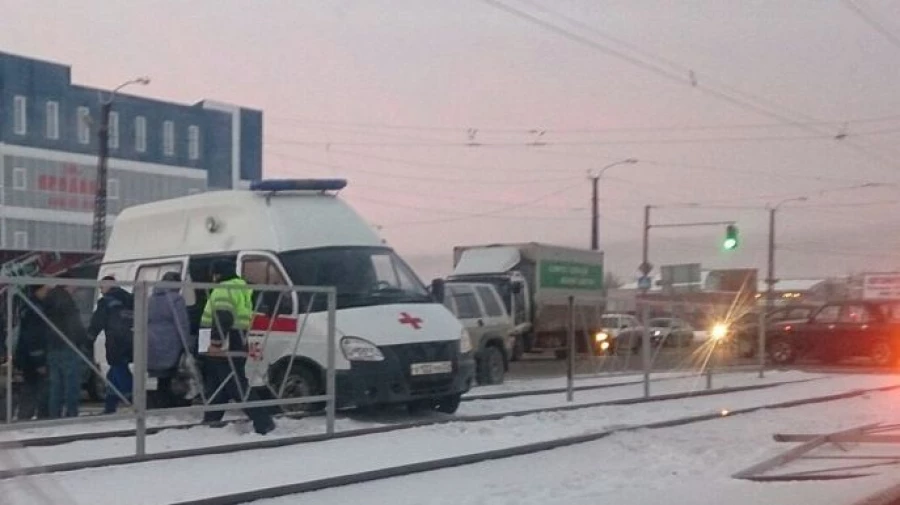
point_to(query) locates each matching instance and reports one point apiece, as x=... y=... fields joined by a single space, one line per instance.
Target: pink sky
x=320 y=69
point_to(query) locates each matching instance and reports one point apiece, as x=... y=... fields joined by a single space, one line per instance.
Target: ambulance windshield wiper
x=394 y=291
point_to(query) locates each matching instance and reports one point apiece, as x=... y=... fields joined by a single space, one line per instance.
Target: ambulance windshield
x=362 y=275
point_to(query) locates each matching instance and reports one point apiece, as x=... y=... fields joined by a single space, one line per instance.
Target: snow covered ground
x=203 y=436
x=686 y=465
x=510 y=386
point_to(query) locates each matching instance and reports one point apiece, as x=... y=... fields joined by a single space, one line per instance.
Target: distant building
x=158 y=150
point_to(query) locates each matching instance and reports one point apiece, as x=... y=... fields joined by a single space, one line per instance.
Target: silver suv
x=480 y=309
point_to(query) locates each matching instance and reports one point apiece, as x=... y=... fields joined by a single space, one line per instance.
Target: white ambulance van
x=395 y=343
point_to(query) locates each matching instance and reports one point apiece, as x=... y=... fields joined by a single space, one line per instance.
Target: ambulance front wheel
x=300 y=382
x=449 y=404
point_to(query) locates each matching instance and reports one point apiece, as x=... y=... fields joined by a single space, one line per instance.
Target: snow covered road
x=686 y=465
x=201 y=436
x=173 y=480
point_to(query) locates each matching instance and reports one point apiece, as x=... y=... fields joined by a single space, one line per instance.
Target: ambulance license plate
x=434 y=367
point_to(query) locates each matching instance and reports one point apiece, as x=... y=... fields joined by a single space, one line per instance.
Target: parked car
x=671 y=331
x=481 y=310
x=622 y=332
x=840 y=330
x=745 y=329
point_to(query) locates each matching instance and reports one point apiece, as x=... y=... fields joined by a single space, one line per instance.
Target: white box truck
x=536 y=281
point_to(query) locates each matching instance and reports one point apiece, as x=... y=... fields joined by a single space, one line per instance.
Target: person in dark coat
x=66 y=337
x=114 y=316
x=31 y=360
x=168 y=331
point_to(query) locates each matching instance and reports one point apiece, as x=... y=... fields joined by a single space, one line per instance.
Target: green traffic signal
x=731 y=238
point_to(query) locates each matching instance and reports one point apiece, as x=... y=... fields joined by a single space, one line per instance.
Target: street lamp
x=770 y=277
x=595 y=214
x=98 y=238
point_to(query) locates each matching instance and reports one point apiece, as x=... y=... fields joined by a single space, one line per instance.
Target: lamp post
x=98 y=238
x=595 y=212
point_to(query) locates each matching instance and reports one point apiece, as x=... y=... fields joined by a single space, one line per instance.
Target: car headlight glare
x=719 y=331
x=358 y=349
x=601 y=336
x=465 y=342
x=656 y=333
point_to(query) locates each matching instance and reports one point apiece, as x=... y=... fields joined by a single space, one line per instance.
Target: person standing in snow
x=66 y=338
x=168 y=331
x=227 y=313
x=115 y=317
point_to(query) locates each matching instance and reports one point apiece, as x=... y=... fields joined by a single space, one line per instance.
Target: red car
x=841 y=330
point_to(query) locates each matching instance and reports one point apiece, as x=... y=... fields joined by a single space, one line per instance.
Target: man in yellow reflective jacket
x=227 y=313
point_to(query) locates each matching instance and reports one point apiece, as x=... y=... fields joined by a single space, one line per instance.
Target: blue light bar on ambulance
x=275 y=185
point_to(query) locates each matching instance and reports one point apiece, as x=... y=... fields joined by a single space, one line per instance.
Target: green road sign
x=565 y=275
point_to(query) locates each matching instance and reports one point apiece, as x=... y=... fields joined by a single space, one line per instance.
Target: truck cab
x=482 y=312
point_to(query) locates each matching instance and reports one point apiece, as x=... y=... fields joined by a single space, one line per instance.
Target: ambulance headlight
x=465 y=342
x=357 y=349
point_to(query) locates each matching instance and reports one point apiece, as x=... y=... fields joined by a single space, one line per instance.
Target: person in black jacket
x=31 y=360
x=115 y=317
x=66 y=336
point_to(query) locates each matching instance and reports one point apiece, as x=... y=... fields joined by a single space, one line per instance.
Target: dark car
x=746 y=328
x=840 y=330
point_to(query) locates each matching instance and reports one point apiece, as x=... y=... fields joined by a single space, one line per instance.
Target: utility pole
x=770 y=283
x=98 y=238
x=595 y=215
x=595 y=212
x=98 y=232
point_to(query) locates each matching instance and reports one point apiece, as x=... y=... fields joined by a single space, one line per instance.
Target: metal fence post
x=713 y=357
x=139 y=392
x=570 y=357
x=645 y=349
x=10 y=293
x=330 y=373
x=761 y=347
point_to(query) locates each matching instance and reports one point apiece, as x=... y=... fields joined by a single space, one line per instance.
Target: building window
x=20 y=179
x=84 y=125
x=113 y=130
x=52 y=120
x=168 y=138
x=20 y=115
x=112 y=189
x=194 y=142
x=20 y=240
x=140 y=134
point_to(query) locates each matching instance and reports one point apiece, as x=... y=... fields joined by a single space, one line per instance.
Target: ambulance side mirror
x=437 y=290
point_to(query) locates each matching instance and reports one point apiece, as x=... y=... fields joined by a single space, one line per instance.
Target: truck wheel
x=782 y=352
x=518 y=350
x=448 y=404
x=882 y=353
x=301 y=382
x=491 y=366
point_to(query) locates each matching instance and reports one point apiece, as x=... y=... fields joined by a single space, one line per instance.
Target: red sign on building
x=70 y=191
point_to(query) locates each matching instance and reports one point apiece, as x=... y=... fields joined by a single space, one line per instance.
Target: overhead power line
x=371 y=128
x=394 y=175
x=858 y=8
x=743 y=100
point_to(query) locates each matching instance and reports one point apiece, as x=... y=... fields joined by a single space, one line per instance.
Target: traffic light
x=731 y=238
